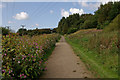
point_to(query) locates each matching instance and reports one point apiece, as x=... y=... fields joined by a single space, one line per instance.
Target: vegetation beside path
x=98 y=50
x=25 y=56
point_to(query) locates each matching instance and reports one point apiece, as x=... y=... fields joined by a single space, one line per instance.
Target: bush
x=23 y=56
x=5 y=31
x=72 y=30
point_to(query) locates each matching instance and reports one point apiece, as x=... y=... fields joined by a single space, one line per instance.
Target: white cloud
x=93 y=4
x=75 y=10
x=21 y=16
x=64 y=13
x=51 y=11
x=84 y=4
x=90 y=5
x=36 y=24
x=71 y=11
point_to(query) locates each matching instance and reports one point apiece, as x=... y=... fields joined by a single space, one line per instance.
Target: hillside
x=114 y=25
x=98 y=50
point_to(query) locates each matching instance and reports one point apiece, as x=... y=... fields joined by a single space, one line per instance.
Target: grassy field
x=98 y=50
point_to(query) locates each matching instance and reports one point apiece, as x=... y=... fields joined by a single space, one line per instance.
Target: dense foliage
x=36 y=31
x=114 y=25
x=99 y=46
x=106 y=13
x=102 y=17
x=4 y=31
x=23 y=56
x=71 y=22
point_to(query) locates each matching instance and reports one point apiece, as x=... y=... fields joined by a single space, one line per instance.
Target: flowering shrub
x=23 y=56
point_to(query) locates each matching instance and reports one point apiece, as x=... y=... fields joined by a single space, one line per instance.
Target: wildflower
x=34 y=60
x=45 y=68
x=36 y=51
x=18 y=61
x=41 y=47
x=5 y=54
x=3 y=70
x=25 y=76
x=46 y=62
x=36 y=46
x=20 y=75
x=13 y=58
x=40 y=61
x=23 y=58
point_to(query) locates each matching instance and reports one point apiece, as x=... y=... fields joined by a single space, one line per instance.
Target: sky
x=41 y=14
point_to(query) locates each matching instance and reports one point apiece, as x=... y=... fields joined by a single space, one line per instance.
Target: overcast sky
x=42 y=14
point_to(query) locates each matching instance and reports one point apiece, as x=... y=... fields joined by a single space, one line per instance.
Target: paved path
x=63 y=63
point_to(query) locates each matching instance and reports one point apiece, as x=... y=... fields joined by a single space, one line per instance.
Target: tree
x=73 y=21
x=91 y=22
x=106 y=13
x=114 y=25
x=22 y=31
x=5 y=31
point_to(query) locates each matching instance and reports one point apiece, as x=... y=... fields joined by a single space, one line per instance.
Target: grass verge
x=93 y=63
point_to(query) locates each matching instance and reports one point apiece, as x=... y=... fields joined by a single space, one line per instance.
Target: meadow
x=98 y=49
x=25 y=56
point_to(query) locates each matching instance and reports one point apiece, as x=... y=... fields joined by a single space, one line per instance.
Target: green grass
x=91 y=61
x=98 y=50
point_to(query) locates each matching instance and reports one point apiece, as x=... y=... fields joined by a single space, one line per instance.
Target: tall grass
x=100 y=49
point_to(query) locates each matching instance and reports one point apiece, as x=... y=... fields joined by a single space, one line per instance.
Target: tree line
x=24 y=31
x=101 y=18
x=36 y=31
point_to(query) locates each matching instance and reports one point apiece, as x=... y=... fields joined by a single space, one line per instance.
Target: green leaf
x=26 y=72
